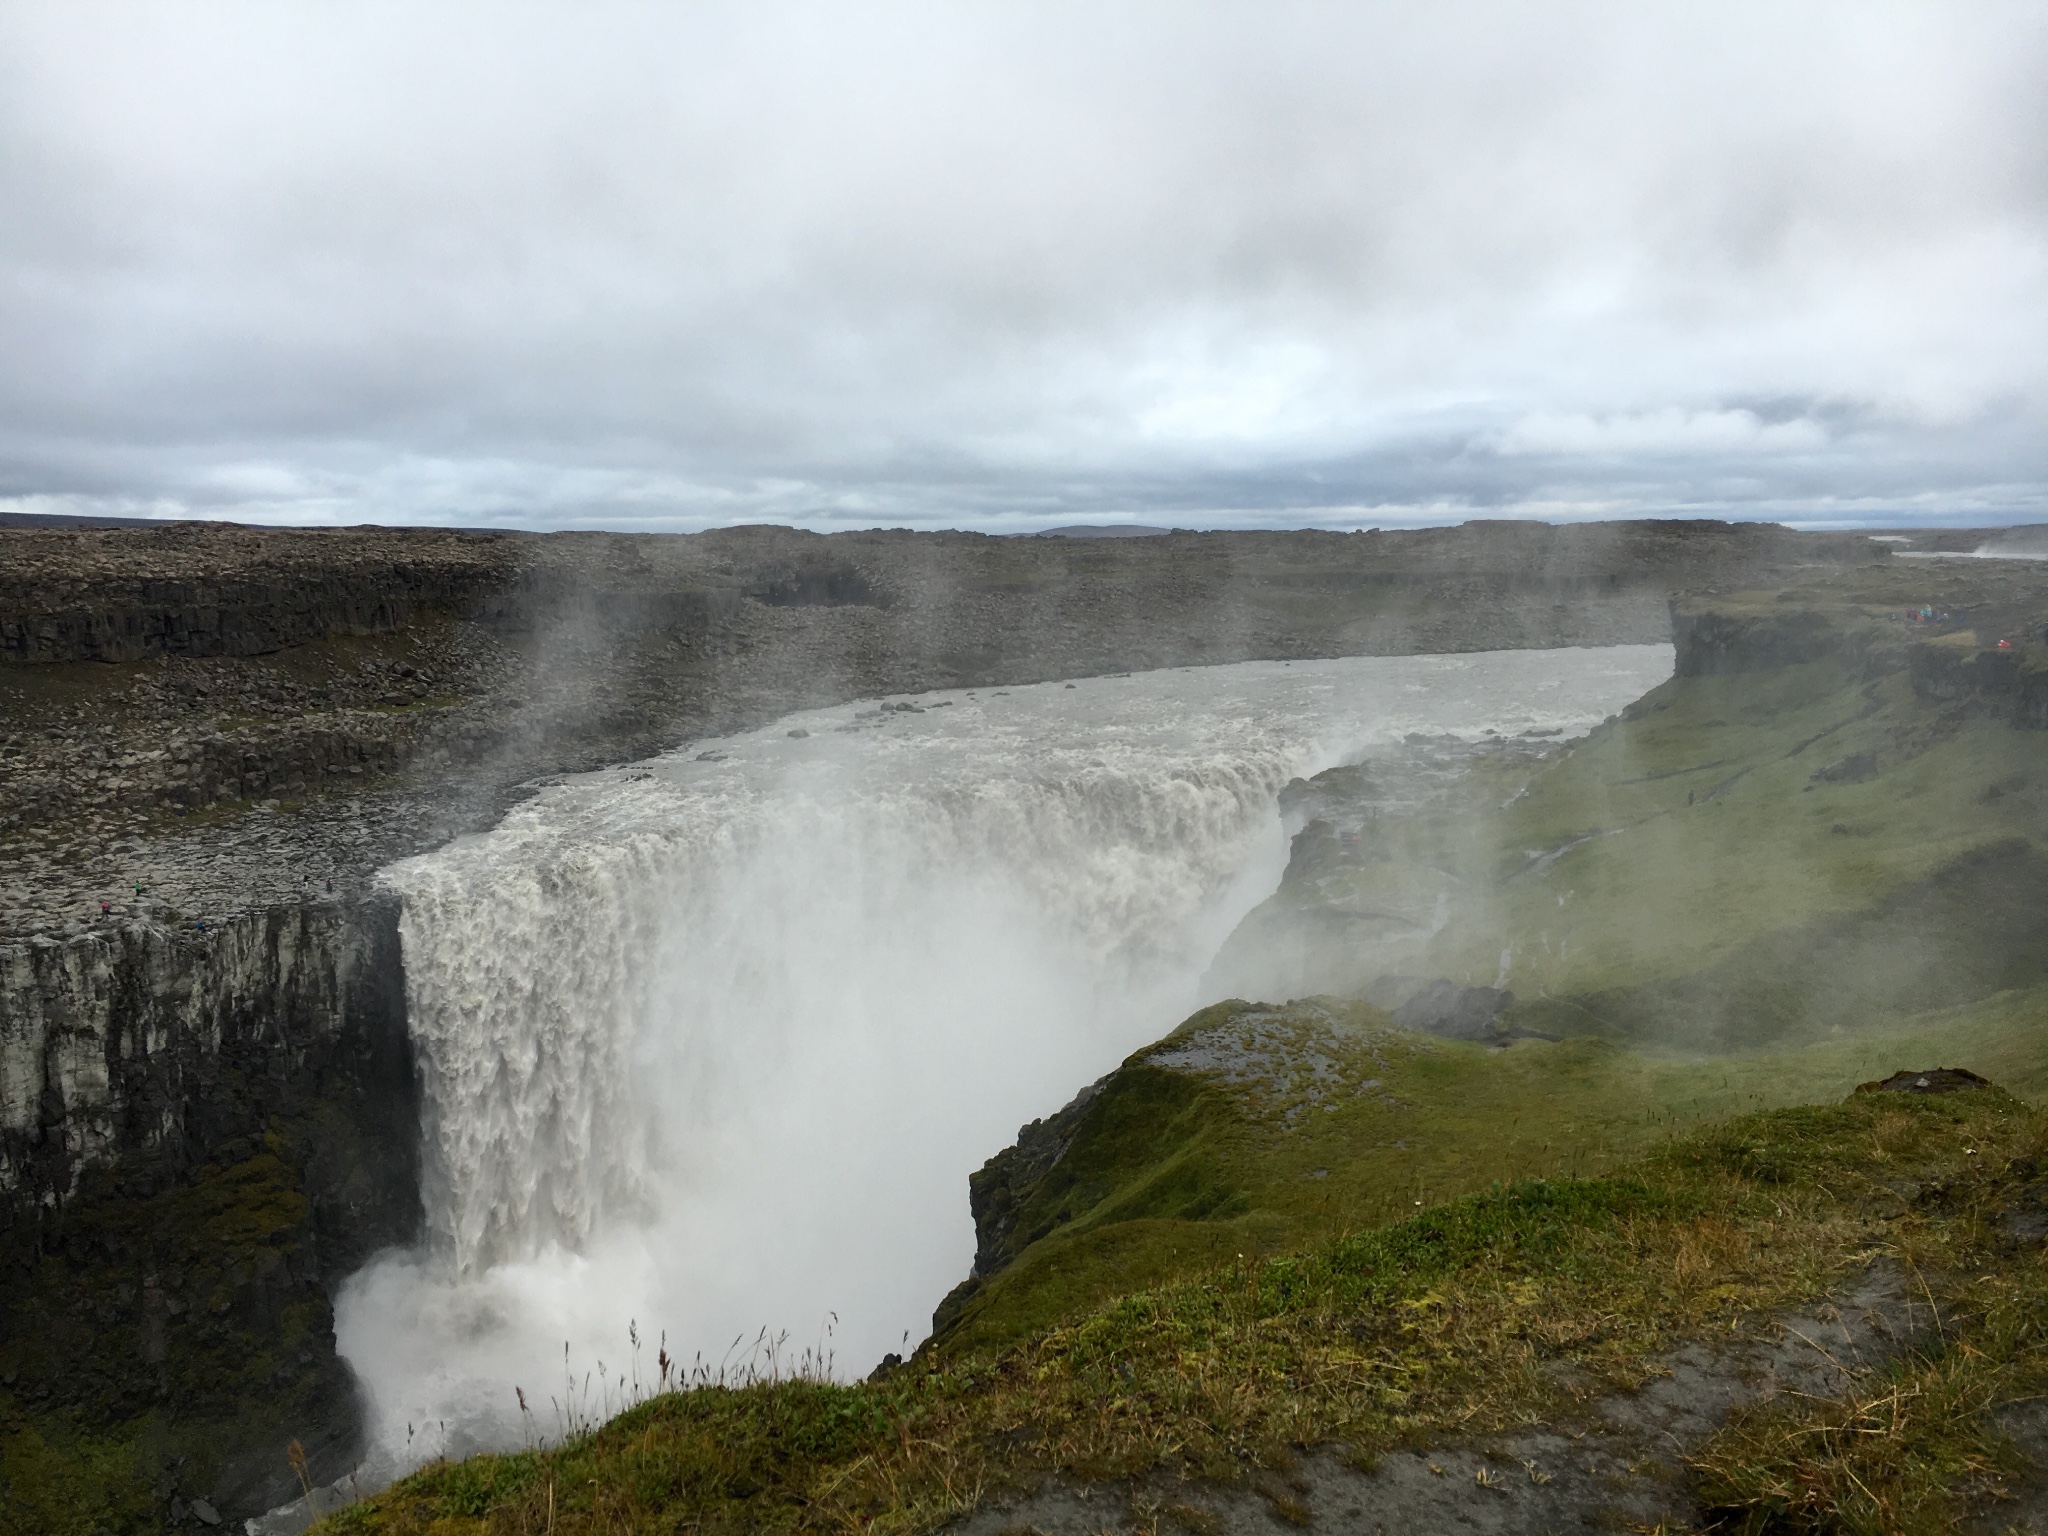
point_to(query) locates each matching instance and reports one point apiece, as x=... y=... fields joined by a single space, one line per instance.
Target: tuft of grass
x=1910 y=1452
x=1915 y=1445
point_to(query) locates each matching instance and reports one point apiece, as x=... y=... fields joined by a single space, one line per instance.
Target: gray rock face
x=1711 y=643
x=996 y=1190
x=206 y=590
x=200 y=1135
x=992 y=1192
x=83 y=596
x=145 y=1045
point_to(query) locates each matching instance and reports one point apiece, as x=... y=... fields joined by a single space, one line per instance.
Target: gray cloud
x=1003 y=266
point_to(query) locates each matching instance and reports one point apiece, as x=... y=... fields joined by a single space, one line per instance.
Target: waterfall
x=587 y=996
x=711 y=1042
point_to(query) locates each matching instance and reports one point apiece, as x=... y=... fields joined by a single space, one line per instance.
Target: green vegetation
x=1514 y=1305
x=1769 y=859
x=1691 y=876
x=1395 y=1119
x=1845 y=833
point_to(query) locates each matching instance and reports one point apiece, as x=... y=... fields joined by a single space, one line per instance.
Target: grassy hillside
x=1766 y=883
x=1323 y=1117
x=1518 y=1304
x=1805 y=833
x=1740 y=859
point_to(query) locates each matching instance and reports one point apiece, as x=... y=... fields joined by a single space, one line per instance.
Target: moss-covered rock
x=177 y=1340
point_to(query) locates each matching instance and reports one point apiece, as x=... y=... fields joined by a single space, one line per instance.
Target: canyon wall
x=200 y=1134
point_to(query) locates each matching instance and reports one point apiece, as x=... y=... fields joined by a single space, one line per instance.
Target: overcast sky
x=977 y=265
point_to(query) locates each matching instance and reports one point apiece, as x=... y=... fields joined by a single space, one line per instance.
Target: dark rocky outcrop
x=147 y=1046
x=1933 y=1080
x=2011 y=680
x=995 y=1192
x=1341 y=793
x=1714 y=641
x=812 y=583
x=1981 y=641
x=199 y=1137
x=83 y=595
x=998 y=1190
x=1454 y=1012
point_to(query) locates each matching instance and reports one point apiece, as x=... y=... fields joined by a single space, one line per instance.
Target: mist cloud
x=1002 y=267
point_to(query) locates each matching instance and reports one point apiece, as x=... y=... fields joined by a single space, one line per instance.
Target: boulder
x=1454 y=1012
x=1933 y=1080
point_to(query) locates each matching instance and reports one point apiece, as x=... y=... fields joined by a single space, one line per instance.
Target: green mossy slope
x=1842 y=818
x=1395 y=1119
x=1517 y=1304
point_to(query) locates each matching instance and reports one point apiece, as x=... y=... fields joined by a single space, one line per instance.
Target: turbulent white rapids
x=712 y=1042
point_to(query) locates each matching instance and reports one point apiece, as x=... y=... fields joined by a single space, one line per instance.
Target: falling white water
x=712 y=1042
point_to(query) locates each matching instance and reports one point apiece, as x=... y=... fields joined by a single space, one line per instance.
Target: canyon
x=214 y=739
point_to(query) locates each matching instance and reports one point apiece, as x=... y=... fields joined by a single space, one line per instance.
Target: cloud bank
x=1011 y=266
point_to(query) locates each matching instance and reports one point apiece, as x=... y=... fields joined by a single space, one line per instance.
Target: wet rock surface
x=1352 y=912
x=1455 y=1012
x=997 y=1191
x=218 y=1128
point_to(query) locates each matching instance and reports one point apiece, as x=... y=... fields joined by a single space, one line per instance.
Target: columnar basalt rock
x=197 y=590
x=141 y=1046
